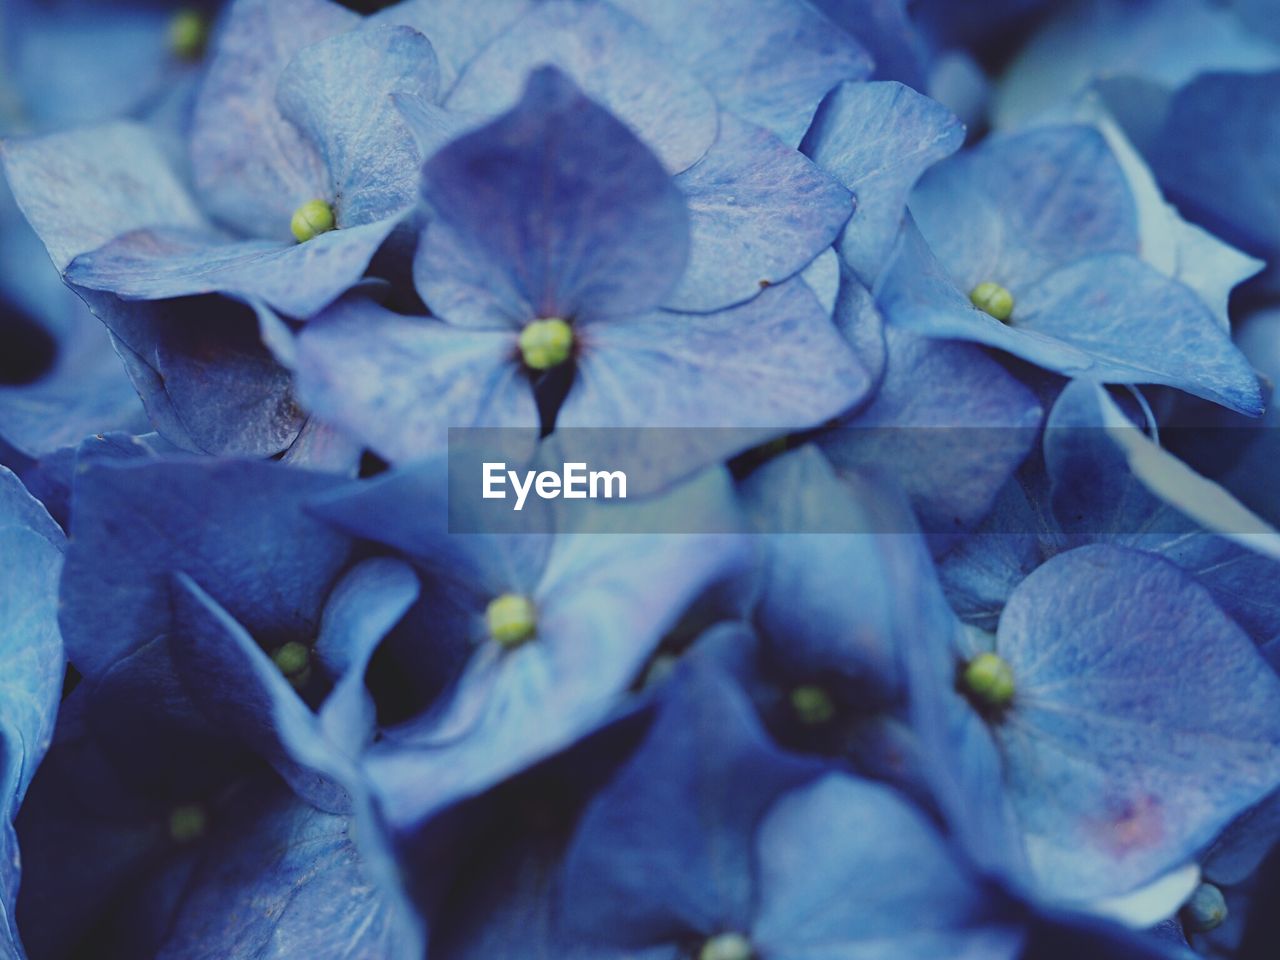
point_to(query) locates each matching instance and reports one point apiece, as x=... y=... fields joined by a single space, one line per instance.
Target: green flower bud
x=511 y=619
x=727 y=946
x=989 y=679
x=294 y=661
x=187 y=823
x=993 y=299
x=1206 y=909
x=188 y=34
x=546 y=343
x=312 y=219
x=812 y=705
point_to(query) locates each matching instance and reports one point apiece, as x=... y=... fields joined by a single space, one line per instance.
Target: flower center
x=312 y=219
x=546 y=343
x=989 y=680
x=294 y=661
x=188 y=34
x=812 y=705
x=993 y=299
x=1206 y=910
x=511 y=619
x=187 y=823
x=727 y=946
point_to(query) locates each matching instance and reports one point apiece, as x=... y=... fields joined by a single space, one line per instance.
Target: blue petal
x=981 y=570
x=298 y=279
x=30 y=644
x=877 y=139
x=1110 y=318
x=398 y=383
x=1168 y=41
x=532 y=225
x=773 y=67
x=241 y=692
x=457 y=29
x=251 y=167
x=32 y=672
x=286 y=880
x=82 y=188
x=615 y=61
x=235 y=526
x=759 y=211
x=612 y=595
x=666 y=850
x=1022 y=205
x=364 y=606
x=836 y=564
x=772 y=366
x=1215 y=156
x=1109 y=481
x=1144 y=720
x=948 y=422
x=848 y=870
x=368 y=150
x=205 y=379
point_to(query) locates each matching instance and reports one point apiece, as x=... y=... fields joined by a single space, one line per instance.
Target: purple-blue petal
x=877 y=139
x=759 y=212
x=613 y=59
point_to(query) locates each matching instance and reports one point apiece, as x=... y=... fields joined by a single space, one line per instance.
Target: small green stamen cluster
x=546 y=343
x=187 y=823
x=188 y=34
x=812 y=705
x=312 y=219
x=512 y=620
x=1206 y=910
x=294 y=661
x=989 y=679
x=727 y=946
x=993 y=299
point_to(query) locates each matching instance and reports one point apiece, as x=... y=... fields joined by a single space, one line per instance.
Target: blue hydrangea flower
x=181 y=714
x=1029 y=243
x=277 y=126
x=550 y=266
x=1068 y=726
x=548 y=630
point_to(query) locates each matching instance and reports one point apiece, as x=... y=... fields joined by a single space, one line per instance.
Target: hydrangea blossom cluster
x=942 y=619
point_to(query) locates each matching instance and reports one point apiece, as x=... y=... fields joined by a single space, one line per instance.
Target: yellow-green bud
x=188 y=34
x=1206 y=910
x=989 y=679
x=812 y=705
x=312 y=219
x=546 y=343
x=187 y=823
x=727 y=946
x=294 y=661
x=511 y=619
x=993 y=299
